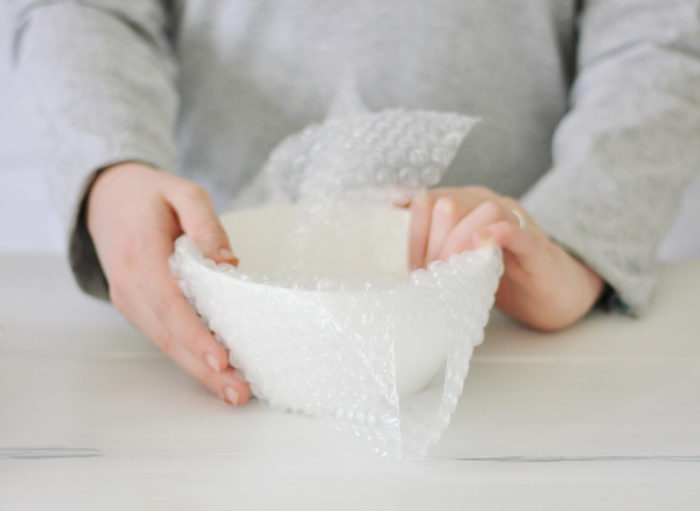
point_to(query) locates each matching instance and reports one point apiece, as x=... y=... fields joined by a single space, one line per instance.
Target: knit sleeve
x=100 y=78
x=630 y=142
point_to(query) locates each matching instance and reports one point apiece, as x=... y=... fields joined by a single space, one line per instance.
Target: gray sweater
x=591 y=109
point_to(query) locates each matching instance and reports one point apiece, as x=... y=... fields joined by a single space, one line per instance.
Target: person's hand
x=134 y=213
x=543 y=286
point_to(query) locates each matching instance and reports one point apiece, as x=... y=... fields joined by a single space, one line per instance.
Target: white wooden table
x=605 y=415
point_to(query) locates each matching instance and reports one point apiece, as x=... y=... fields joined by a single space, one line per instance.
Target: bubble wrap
x=355 y=150
x=322 y=316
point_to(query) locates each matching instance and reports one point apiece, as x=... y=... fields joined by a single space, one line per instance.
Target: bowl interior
x=342 y=240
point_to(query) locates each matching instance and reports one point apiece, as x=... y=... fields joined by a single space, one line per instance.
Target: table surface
x=605 y=415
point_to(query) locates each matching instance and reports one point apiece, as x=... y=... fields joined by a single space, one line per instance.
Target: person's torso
x=253 y=72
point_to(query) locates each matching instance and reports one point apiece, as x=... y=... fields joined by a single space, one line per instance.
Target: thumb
x=200 y=222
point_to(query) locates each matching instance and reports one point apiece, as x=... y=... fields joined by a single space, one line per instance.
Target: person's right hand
x=134 y=214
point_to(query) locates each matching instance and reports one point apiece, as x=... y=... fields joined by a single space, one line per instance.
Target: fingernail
x=226 y=254
x=231 y=395
x=445 y=205
x=484 y=240
x=212 y=362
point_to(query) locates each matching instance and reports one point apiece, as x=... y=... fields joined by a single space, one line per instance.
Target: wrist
x=104 y=182
x=588 y=286
x=121 y=167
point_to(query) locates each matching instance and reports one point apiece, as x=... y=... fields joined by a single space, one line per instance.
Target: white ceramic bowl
x=331 y=306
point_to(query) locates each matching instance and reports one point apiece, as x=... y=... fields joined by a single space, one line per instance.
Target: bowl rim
x=374 y=284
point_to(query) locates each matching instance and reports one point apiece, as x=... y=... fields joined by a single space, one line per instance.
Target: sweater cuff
x=592 y=232
x=82 y=255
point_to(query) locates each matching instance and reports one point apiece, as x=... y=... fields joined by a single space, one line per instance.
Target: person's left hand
x=542 y=286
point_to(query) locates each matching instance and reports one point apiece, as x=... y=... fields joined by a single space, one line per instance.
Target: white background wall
x=28 y=222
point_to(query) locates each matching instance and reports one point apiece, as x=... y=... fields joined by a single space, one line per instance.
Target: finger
x=227 y=383
x=522 y=243
x=148 y=295
x=195 y=211
x=460 y=238
x=400 y=195
x=473 y=194
x=171 y=309
x=447 y=213
x=163 y=297
x=421 y=214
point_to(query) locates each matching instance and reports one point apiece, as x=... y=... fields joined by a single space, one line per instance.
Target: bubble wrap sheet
x=322 y=316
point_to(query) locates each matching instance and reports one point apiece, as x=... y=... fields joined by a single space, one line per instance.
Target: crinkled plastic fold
x=322 y=316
